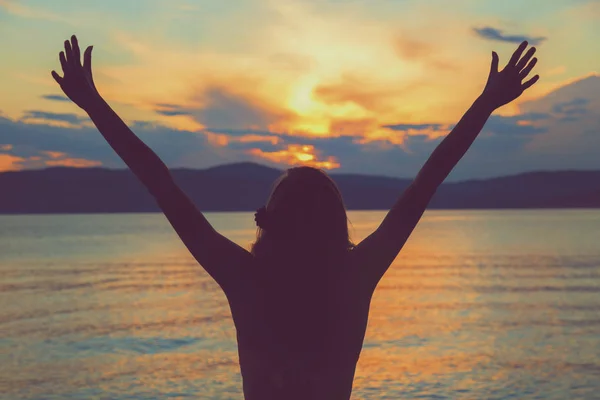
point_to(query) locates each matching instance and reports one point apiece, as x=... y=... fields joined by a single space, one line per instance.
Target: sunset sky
x=367 y=86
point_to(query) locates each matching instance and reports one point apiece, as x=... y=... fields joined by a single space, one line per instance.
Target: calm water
x=480 y=304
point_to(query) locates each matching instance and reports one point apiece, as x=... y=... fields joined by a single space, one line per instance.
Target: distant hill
x=245 y=187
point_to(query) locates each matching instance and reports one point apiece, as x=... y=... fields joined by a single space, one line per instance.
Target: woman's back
x=300 y=336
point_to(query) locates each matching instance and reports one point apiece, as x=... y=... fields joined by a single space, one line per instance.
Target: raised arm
x=222 y=259
x=378 y=251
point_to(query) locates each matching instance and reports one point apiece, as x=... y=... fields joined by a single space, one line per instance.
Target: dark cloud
x=176 y=148
x=380 y=158
x=572 y=110
x=171 y=113
x=243 y=132
x=55 y=97
x=226 y=110
x=171 y=110
x=419 y=127
x=221 y=109
x=50 y=116
x=534 y=116
x=495 y=34
x=516 y=125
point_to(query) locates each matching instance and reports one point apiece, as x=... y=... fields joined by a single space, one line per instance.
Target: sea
x=480 y=304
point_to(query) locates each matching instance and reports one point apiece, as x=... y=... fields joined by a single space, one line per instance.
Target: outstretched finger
x=57 y=78
x=530 y=82
x=87 y=59
x=523 y=74
x=494 y=66
x=68 y=51
x=523 y=61
x=76 y=51
x=63 y=62
x=517 y=54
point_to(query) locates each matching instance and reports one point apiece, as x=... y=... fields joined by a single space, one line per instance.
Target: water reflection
x=479 y=305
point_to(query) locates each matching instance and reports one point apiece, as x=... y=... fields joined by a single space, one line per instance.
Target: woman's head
x=305 y=213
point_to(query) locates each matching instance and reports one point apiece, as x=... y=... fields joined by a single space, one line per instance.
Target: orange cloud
x=10 y=163
x=258 y=138
x=217 y=139
x=359 y=91
x=54 y=154
x=384 y=135
x=73 y=163
x=397 y=135
x=352 y=127
x=296 y=154
x=414 y=50
x=222 y=140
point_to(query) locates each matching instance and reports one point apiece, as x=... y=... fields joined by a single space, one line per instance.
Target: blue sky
x=347 y=85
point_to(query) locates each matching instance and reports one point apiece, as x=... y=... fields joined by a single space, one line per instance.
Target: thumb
x=87 y=59
x=494 y=66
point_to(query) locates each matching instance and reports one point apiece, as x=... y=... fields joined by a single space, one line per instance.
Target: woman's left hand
x=505 y=86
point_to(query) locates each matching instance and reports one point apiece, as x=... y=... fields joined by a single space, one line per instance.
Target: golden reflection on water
x=477 y=304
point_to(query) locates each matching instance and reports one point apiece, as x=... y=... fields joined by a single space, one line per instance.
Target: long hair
x=307 y=220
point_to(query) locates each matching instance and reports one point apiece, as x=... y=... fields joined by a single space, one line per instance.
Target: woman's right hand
x=77 y=82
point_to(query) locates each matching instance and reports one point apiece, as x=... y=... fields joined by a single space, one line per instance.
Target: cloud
x=572 y=110
x=17 y=8
x=69 y=118
x=226 y=110
x=518 y=125
x=55 y=97
x=573 y=131
x=584 y=10
x=219 y=108
x=495 y=34
x=264 y=141
x=292 y=62
x=559 y=70
x=357 y=90
x=8 y=162
x=420 y=129
x=170 y=110
x=295 y=154
x=244 y=132
x=557 y=131
x=415 y=50
x=177 y=148
x=54 y=154
x=73 y=163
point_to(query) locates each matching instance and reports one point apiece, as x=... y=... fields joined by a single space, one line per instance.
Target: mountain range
x=246 y=186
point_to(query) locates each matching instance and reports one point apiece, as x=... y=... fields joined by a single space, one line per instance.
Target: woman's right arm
x=221 y=258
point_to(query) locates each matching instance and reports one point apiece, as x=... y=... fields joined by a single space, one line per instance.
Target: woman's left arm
x=379 y=250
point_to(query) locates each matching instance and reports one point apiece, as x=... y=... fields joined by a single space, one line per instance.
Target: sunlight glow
x=297 y=155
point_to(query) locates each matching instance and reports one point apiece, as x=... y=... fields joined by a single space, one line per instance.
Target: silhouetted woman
x=300 y=299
